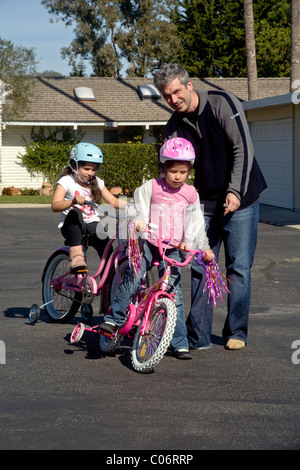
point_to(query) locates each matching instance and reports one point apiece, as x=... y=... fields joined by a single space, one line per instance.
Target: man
x=229 y=182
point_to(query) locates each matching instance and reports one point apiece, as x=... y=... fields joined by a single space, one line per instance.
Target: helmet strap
x=77 y=174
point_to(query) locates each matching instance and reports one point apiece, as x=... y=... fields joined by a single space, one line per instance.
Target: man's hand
x=232 y=203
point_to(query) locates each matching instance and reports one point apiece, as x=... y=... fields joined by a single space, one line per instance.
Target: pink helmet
x=178 y=149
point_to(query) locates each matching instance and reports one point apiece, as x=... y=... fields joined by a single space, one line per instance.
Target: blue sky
x=26 y=23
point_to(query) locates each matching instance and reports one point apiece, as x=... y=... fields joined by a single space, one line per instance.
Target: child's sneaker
x=77 y=264
x=108 y=327
x=77 y=261
x=182 y=354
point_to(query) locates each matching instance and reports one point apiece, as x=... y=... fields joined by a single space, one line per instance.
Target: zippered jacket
x=225 y=160
x=175 y=211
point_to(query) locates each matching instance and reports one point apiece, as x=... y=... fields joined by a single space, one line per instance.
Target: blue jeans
x=238 y=232
x=130 y=283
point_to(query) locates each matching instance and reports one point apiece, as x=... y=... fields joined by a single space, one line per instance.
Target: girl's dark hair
x=169 y=163
x=95 y=190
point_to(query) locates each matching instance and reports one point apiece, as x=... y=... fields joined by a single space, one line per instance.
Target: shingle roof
x=118 y=100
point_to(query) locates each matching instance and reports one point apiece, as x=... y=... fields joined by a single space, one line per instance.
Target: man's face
x=178 y=96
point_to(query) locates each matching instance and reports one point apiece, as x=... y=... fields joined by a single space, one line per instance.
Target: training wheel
x=86 y=313
x=34 y=313
x=77 y=333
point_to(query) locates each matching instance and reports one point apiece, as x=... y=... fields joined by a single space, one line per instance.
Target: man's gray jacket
x=225 y=160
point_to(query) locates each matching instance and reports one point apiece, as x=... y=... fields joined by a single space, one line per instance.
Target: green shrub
x=28 y=192
x=46 y=158
x=128 y=165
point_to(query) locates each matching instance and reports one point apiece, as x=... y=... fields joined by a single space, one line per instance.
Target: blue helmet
x=84 y=152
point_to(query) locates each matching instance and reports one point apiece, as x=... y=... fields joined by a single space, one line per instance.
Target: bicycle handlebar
x=173 y=244
x=160 y=241
x=98 y=207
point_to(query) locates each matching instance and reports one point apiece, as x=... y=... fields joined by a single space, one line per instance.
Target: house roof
x=118 y=100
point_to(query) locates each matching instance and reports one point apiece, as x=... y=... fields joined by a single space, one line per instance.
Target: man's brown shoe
x=235 y=344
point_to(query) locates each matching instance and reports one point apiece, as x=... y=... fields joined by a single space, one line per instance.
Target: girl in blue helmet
x=77 y=183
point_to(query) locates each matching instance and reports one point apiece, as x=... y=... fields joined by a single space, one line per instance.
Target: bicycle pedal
x=106 y=333
x=79 y=271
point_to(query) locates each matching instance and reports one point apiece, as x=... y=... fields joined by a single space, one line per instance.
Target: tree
x=50 y=73
x=272 y=37
x=250 y=49
x=93 y=22
x=107 y=31
x=295 y=45
x=212 y=36
x=146 y=39
x=17 y=66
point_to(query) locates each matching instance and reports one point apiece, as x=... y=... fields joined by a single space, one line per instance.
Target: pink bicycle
x=150 y=319
x=63 y=292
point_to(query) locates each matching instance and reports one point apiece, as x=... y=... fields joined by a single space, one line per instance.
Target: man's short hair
x=168 y=73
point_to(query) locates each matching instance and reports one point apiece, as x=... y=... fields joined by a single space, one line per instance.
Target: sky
x=26 y=23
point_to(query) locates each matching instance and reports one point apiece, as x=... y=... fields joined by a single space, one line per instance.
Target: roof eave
x=84 y=123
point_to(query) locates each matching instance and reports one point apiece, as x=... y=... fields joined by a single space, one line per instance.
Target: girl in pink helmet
x=174 y=206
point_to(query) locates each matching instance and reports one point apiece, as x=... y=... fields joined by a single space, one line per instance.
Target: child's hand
x=208 y=255
x=140 y=225
x=80 y=200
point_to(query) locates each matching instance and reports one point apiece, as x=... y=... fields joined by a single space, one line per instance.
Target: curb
x=20 y=205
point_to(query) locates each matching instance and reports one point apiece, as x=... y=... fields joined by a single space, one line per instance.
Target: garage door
x=274 y=152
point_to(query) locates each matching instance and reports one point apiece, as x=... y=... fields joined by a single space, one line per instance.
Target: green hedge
x=125 y=165
x=128 y=165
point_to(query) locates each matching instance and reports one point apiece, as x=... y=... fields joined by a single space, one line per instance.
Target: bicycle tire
x=86 y=312
x=64 y=304
x=149 y=349
x=77 y=333
x=108 y=344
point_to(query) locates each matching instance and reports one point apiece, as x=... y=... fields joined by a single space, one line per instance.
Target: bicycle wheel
x=108 y=344
x=63 y=303
x=148 y=349
x=86 y=312
x=77 y=333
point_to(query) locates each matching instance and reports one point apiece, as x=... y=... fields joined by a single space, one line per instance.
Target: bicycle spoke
x=154 y=331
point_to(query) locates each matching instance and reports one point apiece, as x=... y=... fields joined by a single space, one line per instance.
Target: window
x=148 y=92
x=83 y=93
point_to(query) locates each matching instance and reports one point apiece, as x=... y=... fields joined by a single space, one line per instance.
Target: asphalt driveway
x=57 y=396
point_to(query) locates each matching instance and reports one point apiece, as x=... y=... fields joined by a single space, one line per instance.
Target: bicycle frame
x=78 y=283
x=147 y=297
